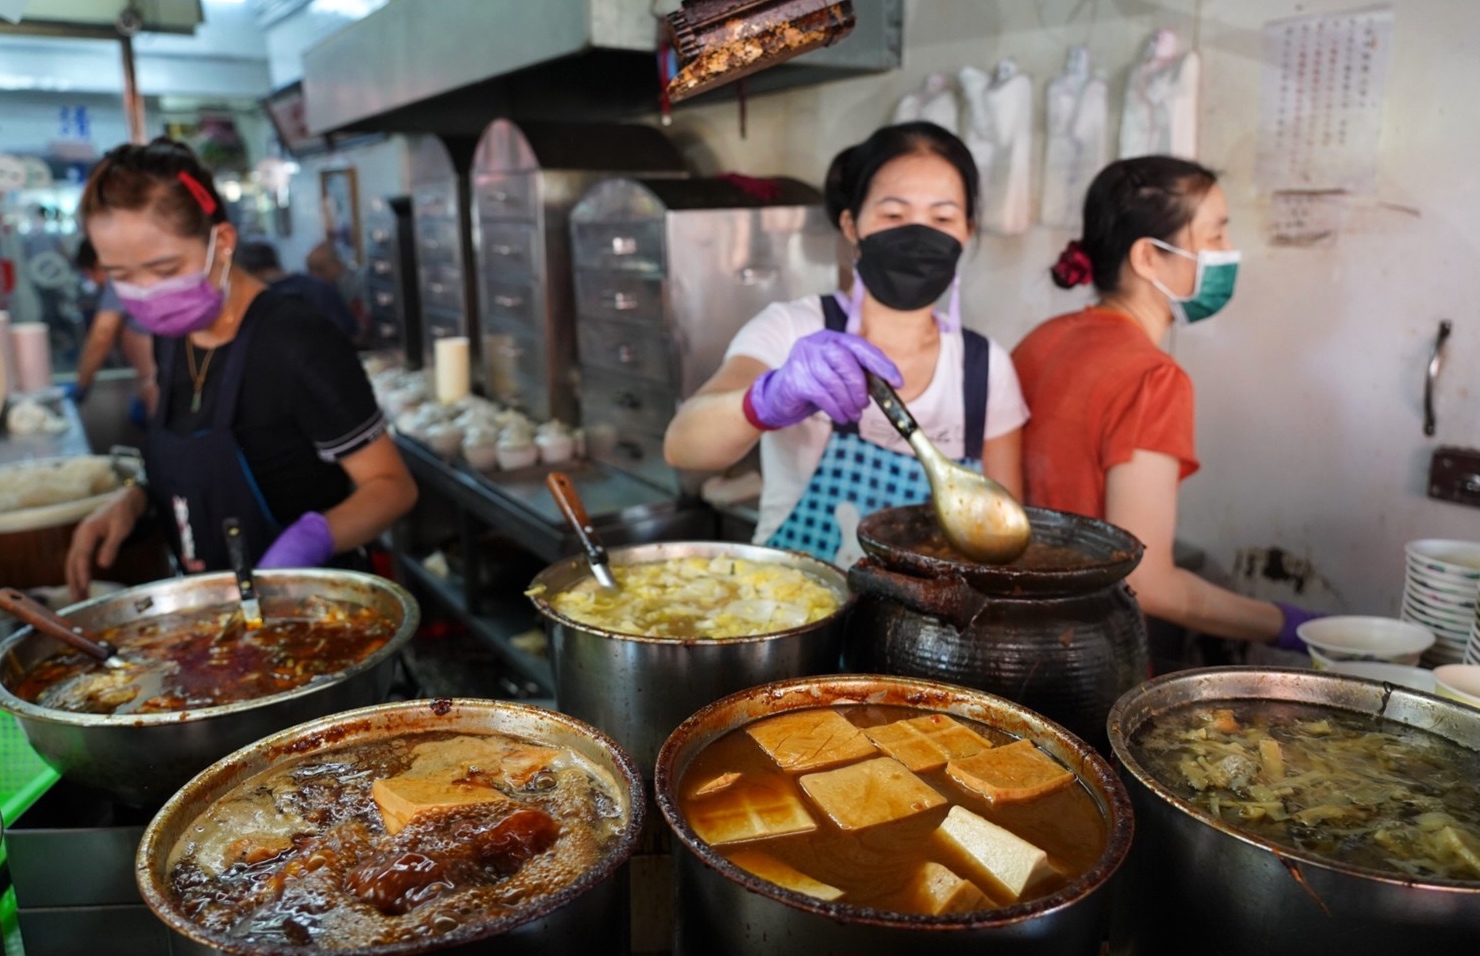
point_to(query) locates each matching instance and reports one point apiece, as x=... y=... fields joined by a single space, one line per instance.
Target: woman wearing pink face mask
x=264 y=415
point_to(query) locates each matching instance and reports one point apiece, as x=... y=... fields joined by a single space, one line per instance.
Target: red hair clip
x=1074 y=267
x=206 y=200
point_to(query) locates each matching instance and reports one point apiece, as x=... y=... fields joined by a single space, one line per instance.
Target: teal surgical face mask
x=1216 y=271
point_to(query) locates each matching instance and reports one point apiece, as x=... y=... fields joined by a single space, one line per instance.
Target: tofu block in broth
x=806 y=740
x=936 y=890
x=404 y=798
x=772 y=870
x=1006 y=857
x=481 y=757
x=927 y=742
x=746 y=811
x=870 y=793
x=1010 y=774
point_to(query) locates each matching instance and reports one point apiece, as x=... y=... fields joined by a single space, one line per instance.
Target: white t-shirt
x=789 y=456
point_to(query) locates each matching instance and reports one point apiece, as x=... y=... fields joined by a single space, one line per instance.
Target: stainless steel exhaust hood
x=450 y=66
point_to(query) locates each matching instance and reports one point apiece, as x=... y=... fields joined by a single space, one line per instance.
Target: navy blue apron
x=198 y=480
x=856 y=477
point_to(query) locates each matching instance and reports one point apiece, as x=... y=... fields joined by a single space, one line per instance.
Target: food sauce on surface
x=299 y=855
x=700 y=597
x=874 y=867
x=1356 y=789
x=207 y=657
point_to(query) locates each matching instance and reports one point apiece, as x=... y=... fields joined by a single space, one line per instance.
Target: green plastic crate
x=24 y=777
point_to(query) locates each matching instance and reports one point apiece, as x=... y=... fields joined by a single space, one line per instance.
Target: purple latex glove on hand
x=1294 y=617
x=824 y=372
x=306 y=543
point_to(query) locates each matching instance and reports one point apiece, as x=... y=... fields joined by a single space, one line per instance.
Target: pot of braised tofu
x=862 y=814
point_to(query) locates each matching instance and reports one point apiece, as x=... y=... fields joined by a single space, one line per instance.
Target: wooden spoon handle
x=564 y=492
x=48 y=622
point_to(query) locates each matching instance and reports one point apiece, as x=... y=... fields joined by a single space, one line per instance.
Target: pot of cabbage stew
x=693 y=622
x=1287 y=813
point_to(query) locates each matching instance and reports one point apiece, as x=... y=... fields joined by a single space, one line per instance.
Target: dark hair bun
x=1073 y=268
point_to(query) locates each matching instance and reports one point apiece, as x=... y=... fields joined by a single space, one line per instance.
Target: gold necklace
x=198 y=379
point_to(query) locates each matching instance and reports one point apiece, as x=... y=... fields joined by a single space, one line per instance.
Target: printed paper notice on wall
x=1321 y=97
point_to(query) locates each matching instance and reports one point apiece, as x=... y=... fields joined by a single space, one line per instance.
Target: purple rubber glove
x=306 y=543
x=1294 y=617
x=824 y=372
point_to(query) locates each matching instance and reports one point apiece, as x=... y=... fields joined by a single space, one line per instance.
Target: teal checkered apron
x=855 y=473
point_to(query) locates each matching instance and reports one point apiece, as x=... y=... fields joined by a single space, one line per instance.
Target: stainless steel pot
x=1196 y=884
x=639 y=688
x=588 y=916
x=141 y=759
x=722 y=909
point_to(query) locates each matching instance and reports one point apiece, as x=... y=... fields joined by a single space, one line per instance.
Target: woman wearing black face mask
x=793 y=378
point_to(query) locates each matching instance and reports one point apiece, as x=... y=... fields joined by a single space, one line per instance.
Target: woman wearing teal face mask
x=1112 y=429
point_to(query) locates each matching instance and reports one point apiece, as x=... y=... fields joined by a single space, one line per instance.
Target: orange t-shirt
x=1098 y=389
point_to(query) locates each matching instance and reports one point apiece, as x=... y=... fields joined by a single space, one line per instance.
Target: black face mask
x=907 y=267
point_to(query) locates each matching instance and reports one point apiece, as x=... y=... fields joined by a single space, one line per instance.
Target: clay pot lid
x=1070 y=553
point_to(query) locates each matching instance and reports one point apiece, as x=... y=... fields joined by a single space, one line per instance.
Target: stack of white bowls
x=1439 y=592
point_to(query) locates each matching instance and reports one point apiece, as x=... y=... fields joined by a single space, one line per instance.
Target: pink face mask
x=179 y=305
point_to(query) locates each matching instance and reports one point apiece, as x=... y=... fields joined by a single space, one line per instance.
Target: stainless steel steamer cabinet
x=666 y=272
x=525 y=179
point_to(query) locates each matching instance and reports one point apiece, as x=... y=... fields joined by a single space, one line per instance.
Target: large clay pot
x=1058 y=630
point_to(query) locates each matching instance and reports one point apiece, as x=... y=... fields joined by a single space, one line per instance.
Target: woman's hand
x=824 y=372
x=100 y=535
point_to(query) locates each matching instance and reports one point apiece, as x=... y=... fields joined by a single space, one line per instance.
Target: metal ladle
x=979 y=517
x=46 y=621
x=564 y=492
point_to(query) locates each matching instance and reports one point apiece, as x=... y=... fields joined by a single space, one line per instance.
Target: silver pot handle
x=1432 y=376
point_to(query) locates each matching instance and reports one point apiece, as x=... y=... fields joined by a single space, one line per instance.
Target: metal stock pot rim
x=411 y=617
x=829 y=574
x=1132 y=711
x=693 y=735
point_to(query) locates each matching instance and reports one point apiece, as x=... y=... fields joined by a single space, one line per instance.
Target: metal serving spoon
x=980 y=518
x=564 y=492
x=250 y=609
x=48 y=622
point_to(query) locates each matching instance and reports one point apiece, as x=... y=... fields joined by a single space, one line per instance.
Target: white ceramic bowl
x=1442 y=599
x=1418 y=678
x=1459 y=682
x=1320 y=661
x=1446 y=556
x=1458 y=616
x=1439 y=580
x=1351 y=637
x=1444 y=584
x=482 y=456
x=444 y=438
x=514 y=457
x=555 y=449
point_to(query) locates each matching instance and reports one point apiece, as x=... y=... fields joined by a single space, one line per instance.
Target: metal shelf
x=494 y=629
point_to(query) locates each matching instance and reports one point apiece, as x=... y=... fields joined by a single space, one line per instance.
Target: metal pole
x=133 y=103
